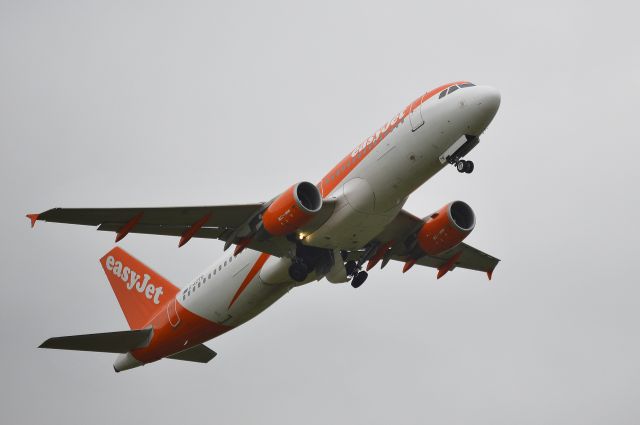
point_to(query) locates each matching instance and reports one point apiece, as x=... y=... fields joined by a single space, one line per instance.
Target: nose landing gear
x=458 y=150
x=464 y=166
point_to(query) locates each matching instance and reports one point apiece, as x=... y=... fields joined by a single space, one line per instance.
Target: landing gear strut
x=455 y=158
x=358 y=277
x=351 y=267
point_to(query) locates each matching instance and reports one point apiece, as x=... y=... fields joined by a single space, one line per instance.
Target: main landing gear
x=358 y=276
x=359 y=279
x=309 y=259
x=298 y=271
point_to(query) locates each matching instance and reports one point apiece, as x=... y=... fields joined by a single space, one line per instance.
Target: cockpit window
x=451 y=89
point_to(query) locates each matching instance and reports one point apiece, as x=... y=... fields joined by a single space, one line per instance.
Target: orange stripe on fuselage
x=252 y=273
x=191 y=329
x=351 y=161
x=167 y=339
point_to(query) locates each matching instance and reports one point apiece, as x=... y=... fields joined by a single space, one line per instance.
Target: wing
x=462 y=255
x=229 y=223
x=397 y=242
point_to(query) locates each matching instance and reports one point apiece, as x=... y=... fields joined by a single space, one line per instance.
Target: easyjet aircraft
x=337 y=229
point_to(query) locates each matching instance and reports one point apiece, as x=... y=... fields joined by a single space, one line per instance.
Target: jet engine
x=292 y=209
x=446 y=228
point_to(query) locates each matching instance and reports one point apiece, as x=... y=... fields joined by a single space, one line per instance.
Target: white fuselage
x=370 y=186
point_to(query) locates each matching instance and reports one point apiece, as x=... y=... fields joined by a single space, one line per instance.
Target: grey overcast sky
x=151 y=103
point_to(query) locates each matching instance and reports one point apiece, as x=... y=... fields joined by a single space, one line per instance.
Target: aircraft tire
x=359 y=279
x=298 y=272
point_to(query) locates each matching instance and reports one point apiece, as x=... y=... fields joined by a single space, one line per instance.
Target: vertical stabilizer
x=140 y=291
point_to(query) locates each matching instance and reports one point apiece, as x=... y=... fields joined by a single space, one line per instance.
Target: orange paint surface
x=349 y=162
x=438 y=234
x=33 y=218
x=252 y=273
x=167 y=339
x=442 y=270
x=284 y=216
x=191 y=231
x=124 y=230
x=140 y=291
x=410 y=263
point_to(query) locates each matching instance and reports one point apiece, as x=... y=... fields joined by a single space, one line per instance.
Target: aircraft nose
x=487 y=102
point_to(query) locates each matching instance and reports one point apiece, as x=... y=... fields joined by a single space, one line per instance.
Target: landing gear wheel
x=468 y=167
x=359 y=279
x=298 y=272
x=350 y=267
x=461 y=165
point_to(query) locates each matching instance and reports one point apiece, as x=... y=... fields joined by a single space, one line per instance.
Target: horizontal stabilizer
x=108 y=342
x=198 y=353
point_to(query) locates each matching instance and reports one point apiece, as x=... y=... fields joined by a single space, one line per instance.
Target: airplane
x=338 y=229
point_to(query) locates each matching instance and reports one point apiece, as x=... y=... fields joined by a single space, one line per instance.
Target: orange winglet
x=191 y=231
x=489 y=274
x=241 y=245
x=379 y=254
x=408 y=265
x=124 y=230
x=33 y=218
x=442 y=270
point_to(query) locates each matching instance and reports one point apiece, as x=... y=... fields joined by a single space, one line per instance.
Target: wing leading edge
x=228 y=223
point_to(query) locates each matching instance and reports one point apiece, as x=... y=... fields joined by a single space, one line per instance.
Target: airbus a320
x=337 y=229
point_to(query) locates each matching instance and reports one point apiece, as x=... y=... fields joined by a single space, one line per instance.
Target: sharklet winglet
x=33 y=218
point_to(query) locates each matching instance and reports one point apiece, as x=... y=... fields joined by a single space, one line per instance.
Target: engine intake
x=292 y=209
x=446 y=228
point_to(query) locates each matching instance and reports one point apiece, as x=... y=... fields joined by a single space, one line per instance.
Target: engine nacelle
x=292 y=209
x=446 y=228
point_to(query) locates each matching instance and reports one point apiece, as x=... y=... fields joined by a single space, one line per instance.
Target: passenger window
x=225 y=264
x=198 y=284
x=209 y=275
x=452 y=89
x=184 y=297
x=220 y=268
x=443 y=93
x=230 y=258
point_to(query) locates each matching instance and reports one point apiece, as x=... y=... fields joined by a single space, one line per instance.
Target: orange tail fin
x=140 y=291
